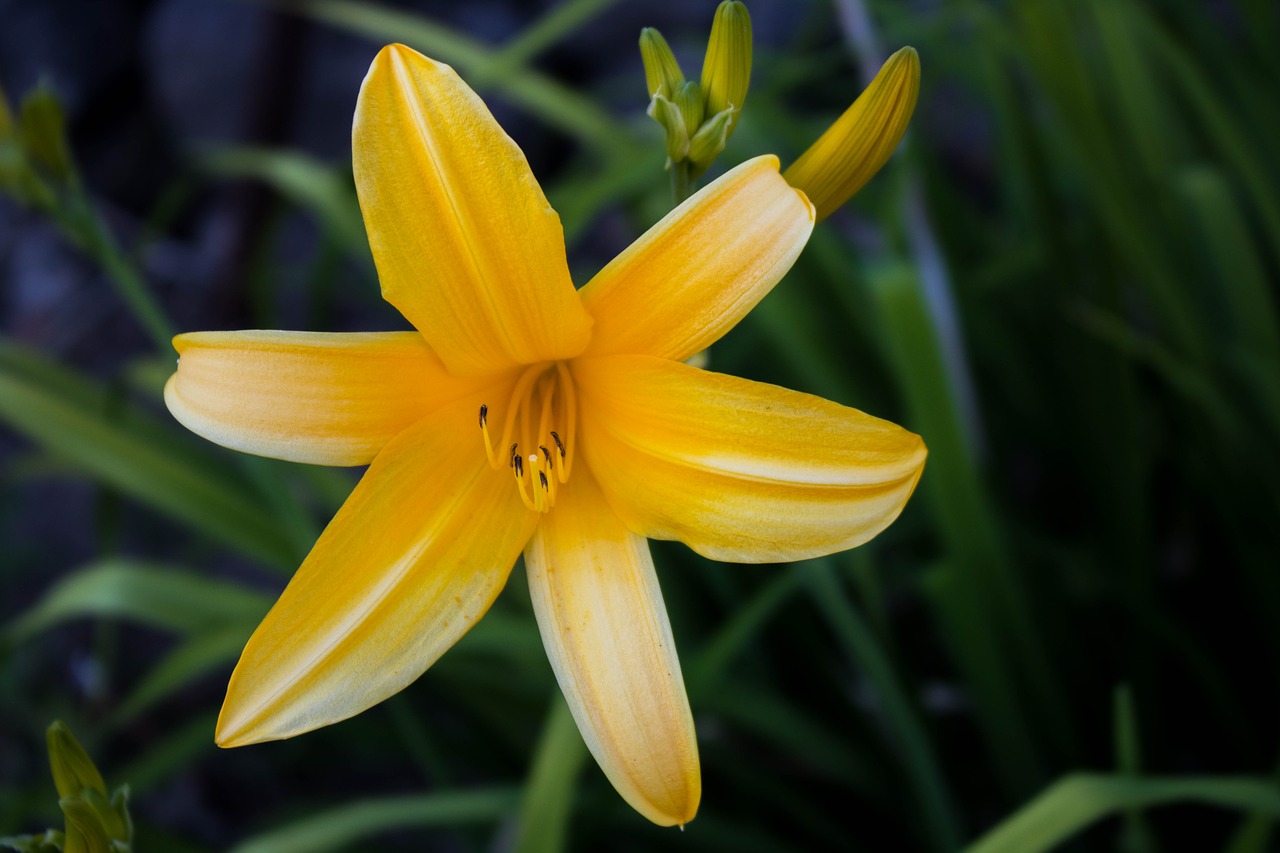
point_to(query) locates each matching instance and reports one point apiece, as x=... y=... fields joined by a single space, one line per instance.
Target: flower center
x=538 y=423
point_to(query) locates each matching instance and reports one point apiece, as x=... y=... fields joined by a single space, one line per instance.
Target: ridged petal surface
x=739 y=470
x=326 y=399
x=607 y=635
x=690 y=278
x=413 y=558
x=466 y=246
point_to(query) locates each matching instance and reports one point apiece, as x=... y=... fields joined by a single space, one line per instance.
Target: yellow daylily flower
x=523 y=415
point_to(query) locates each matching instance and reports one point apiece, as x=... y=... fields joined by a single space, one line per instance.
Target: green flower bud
x=73 y=770
x=688 y=100
x=43 y=132
x=661 y=71
x=6 y=117
x=726 y=70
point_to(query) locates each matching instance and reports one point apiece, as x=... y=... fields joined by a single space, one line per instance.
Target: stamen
x=519 y=400
x=540 y=399
x=569 y=416
x=484 y=430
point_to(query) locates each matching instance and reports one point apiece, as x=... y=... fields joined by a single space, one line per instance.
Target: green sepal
x=667 y=114
x=49 y=841
x=709 y=141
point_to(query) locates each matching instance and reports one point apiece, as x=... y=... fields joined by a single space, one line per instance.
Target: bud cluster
x=699 y=117
x=94 y=822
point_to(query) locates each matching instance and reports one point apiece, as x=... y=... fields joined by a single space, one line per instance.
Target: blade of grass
x=918 y=758
x=160 y=596
x=339 y=826
x=1077 y=801
x=978 y=597
x=134 y=453
x=543 y=98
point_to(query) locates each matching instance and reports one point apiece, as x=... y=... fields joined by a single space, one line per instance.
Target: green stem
x=82 y=224
x=681 y=185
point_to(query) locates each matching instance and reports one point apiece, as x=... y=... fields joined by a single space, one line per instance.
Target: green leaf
x=1076 y=801
x=339 y=826
x=162 y=597
x=128 y=450
x=482 y=66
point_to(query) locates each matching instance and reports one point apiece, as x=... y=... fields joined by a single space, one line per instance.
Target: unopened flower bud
x=73 y=770
x=43 y=132
x=661 y=71
x=726 y=70
x=862 y=140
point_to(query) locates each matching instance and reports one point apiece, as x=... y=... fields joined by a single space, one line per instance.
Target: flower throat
x=538 y=426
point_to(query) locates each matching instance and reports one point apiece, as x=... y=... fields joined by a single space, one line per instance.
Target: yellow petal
x=607 y=635
x=861 y=141
x=410 y=562
x=689 y=279
x=739 y=470
x=465 y=243
x=327 y=399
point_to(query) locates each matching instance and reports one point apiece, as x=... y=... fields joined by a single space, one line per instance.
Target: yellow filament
x=570 y=398
x=523 y=426
x=519 y=398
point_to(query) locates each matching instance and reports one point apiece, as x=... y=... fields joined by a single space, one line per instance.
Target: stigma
x=538 y=427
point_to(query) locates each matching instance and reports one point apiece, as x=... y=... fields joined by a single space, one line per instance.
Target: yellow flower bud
x=661 y=71
x=860 y=141
x=726 y=70
x=73 y=770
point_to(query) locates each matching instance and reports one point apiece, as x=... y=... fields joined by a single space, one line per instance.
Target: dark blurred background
x=1065 y=281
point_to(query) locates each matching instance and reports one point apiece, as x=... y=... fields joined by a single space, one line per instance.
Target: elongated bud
x=73 y=770
x=6 y=117
x=661 y=71
x=862 y=140
x=726 y=70
x=85 y=833
x=43 y=131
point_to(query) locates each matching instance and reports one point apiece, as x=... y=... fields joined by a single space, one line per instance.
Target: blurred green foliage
x=1078 y=617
